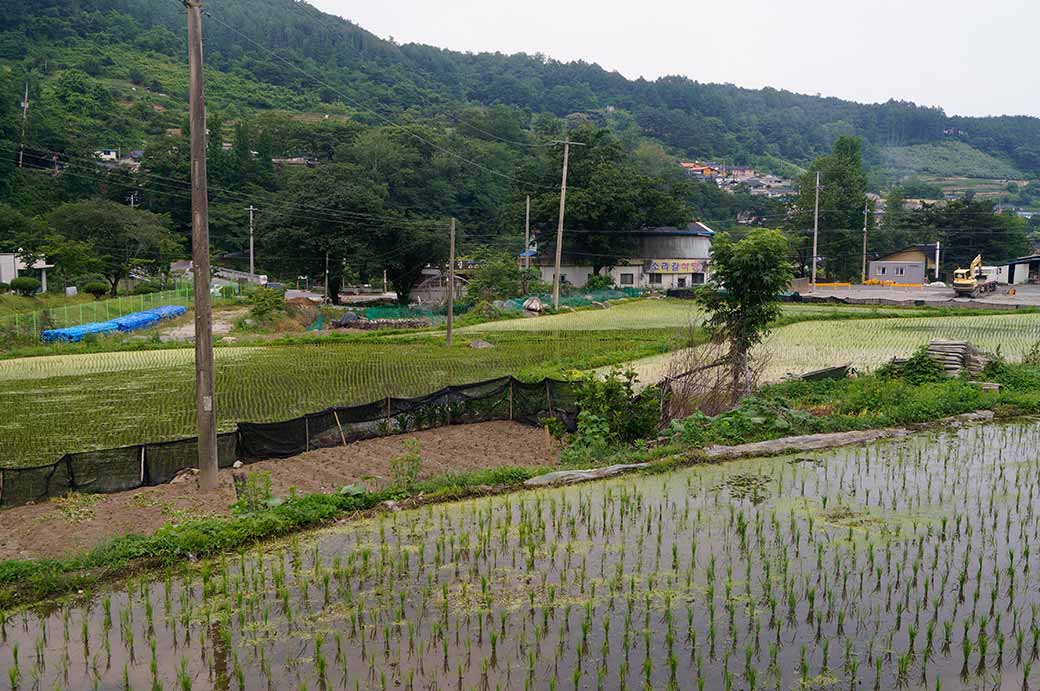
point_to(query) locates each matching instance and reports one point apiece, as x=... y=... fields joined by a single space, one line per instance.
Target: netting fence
x=59 y=316
x=146 y=465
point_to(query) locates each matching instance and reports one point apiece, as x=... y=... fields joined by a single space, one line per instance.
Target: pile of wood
x=956 y=356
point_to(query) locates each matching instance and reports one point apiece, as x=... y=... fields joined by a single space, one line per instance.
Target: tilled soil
x=63 y=526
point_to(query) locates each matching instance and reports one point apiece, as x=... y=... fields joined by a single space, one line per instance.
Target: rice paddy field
x=50 y=406
x=901 y=564
x=657 y=314
x=867 y=343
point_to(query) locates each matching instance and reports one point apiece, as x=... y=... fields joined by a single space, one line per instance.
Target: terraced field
x=867 y=343
x=53 y=405
x=658 y=314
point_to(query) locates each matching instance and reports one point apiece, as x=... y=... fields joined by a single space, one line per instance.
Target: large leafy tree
x=742 y=298
x=338 y=212
x=608 y=199
x=111 y=238
x=842 y=199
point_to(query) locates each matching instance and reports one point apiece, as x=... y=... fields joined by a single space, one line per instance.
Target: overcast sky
x=971 y=57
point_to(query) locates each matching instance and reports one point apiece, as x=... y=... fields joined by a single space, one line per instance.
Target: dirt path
x=223 y=322
x=63 y=526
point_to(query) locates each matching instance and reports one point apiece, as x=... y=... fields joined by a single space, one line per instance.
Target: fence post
x=342 y=436
x=510 y=398
x=388 y=415
x=307 y=433
x=142 y=465
x=548 y=397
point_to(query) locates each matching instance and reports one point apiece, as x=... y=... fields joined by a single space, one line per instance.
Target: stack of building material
x=957 y=356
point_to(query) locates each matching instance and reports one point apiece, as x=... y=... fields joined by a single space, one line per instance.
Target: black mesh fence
x=118 y=470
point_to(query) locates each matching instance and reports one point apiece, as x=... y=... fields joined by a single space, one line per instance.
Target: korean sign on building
x=676 y=266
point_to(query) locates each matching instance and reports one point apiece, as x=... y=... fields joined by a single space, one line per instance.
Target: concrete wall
x=1021 y=273
x=8 y=268
x=578 y=275
x=898 y=271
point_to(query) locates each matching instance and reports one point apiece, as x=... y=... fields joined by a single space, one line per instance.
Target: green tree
x=298 y=241
x=742 y=298
x=608 y=199
x=842 y=199
x=499 y=276
x=115 y=238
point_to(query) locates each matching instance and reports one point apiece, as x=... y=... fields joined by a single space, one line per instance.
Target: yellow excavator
x=971 y=281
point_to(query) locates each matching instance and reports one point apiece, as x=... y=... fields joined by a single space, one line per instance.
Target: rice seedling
x=870 y=567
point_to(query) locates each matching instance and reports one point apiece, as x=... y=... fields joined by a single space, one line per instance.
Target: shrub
x=146 y=289
x=25 y=285
x=599 y=282
x=4 y=287
x=266 y=301
x=404 y=469
x=254 y=494
x=921 y=369
x=98 y=289
x=591 y=444
x=627 y=416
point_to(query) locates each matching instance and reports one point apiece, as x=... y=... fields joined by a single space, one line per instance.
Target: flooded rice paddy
x=908 y=564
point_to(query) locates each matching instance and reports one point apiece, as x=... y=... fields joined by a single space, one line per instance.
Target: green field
x=662 y=314
x=867 y=343
x=58 y=404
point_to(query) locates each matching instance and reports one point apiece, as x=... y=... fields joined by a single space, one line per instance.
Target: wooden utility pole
x=863 y=271
x=559 y=228
x=451 y=280
x=815 y=233
x=204 y=404
x=252 y=268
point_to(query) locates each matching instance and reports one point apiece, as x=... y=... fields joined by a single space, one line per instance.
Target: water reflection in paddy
x=898 y=564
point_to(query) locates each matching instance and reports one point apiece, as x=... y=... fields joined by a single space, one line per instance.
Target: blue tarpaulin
x=129 y=322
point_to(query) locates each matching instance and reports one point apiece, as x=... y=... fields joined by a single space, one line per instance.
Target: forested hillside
x=140 y=38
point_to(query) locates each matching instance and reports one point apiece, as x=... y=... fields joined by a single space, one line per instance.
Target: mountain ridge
x=691 y=118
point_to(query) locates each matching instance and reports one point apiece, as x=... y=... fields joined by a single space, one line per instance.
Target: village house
x=668 y=257
x=700 y=170
x=12 y=266
x=910 y=265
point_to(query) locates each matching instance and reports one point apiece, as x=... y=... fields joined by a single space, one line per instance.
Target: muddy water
x=902 y=564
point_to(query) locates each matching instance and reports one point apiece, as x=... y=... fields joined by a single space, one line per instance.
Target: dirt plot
x=80 y=522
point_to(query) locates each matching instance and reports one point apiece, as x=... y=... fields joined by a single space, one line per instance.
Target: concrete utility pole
x=815 y=233
x=25 y=119
x=451 y=281
x=863 y=271
x=252 y=268
x=559 y=229
x=937 y=261
x=326 y=276
x=204 y=405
